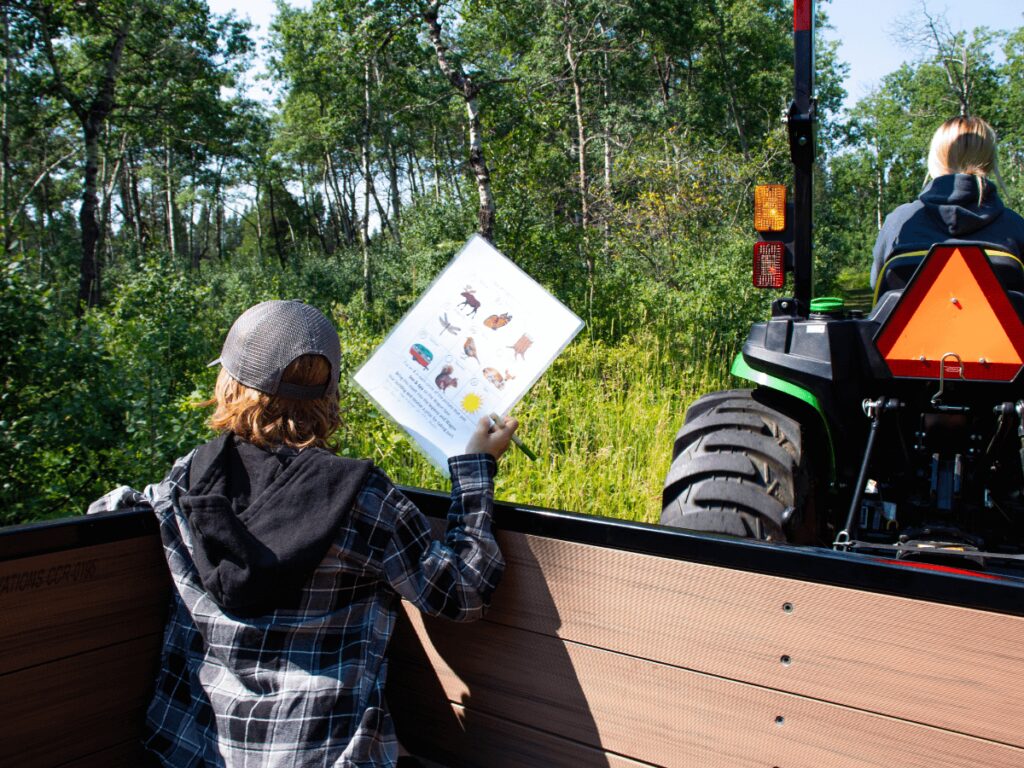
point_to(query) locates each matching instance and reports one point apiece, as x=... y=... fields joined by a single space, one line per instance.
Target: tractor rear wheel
x=739 y=467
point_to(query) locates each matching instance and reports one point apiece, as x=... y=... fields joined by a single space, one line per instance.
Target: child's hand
x=490 y=438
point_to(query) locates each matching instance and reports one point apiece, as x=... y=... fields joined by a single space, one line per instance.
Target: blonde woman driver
x=959 y=203
x=288 y=563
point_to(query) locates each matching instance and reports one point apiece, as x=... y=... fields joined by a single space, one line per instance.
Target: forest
x=609 y=148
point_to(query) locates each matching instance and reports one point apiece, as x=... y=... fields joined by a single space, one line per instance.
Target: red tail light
x=769 y=264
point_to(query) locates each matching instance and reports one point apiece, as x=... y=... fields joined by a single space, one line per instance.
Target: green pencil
x=515 y=438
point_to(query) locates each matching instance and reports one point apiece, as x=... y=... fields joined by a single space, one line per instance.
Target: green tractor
x=897 y=432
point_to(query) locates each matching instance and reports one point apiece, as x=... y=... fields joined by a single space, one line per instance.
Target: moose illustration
x=470 y=300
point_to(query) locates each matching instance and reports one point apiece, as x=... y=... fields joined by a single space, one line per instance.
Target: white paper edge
x=380 y=409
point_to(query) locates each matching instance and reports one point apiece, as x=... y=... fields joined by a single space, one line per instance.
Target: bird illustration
x=469 y=348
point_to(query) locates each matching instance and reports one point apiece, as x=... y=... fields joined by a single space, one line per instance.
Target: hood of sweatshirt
x=262 y=521
x=952 y=201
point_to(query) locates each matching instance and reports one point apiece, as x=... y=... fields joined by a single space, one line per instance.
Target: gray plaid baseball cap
x=267 y=338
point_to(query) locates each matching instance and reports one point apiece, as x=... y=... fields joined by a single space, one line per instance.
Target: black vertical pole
x=800 y=121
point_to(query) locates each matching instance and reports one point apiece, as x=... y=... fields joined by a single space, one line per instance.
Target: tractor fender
x=742 y=370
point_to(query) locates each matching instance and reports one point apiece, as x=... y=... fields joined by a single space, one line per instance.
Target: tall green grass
x=110 y=399
x=601 y=420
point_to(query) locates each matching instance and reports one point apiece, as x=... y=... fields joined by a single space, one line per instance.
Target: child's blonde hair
x=269 y=421
x=964 y=145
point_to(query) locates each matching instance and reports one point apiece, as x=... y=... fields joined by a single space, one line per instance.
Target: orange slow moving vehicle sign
x=954 y=310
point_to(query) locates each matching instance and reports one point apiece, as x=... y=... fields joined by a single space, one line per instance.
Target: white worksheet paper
x=472 y=345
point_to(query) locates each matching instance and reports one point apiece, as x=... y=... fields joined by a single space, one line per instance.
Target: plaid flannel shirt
x=305 y=687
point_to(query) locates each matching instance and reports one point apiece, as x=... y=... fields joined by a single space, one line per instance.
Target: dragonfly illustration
x=446 y=326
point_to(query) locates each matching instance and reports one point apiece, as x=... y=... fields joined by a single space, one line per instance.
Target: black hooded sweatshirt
x=262 y=520
x=948 y=210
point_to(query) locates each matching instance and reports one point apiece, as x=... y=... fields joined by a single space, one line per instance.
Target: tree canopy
x=609 y=148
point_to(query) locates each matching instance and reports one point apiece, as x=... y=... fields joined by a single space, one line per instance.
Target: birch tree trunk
x=367 y=189
x=469 y=91
x=436 y=163
x=956 y=64
x=415 y=174
x=219 y=212
x=583 y=184
x=5 y=135
x=607 y=145
x=573 y=58
x=194 y=254
x=259 y=226
x=92 y=111
x=128 y=209
x=730 y=91
x=396 y=193
x=275 y=225
x=108 y=195
x=89 y=270
x=172 y=240
x=879 y=193
x=343 y=211
x=141 y=229
x=311 y=211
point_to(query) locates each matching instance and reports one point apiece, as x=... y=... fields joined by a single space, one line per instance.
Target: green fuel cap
x=824 y=305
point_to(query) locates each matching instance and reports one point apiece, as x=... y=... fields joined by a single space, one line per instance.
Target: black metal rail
x=983 y=591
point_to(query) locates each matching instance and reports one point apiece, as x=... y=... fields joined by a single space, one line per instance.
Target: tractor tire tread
x=738 y=468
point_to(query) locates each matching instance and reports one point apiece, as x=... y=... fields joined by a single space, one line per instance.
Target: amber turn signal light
x=770 y=207
x=769 y=265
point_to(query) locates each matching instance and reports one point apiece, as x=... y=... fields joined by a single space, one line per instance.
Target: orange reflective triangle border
x=954 y=306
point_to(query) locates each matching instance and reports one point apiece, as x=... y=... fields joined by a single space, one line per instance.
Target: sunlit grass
x=601 y=421
x=854 y=285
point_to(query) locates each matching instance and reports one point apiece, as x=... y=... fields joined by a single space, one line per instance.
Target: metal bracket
x=1019 y=408
x=873 y=409
x=937 y=397
x=800 y=127
x=788 y=307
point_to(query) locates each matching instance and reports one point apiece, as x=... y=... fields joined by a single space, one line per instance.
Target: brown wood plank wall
x=80 y=637
x=590 y=656
x=462 y=737
x=676 y=663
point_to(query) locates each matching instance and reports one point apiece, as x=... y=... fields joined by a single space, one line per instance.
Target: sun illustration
x=471 y=403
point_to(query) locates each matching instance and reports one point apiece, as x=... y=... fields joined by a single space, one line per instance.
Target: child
x=288 y=563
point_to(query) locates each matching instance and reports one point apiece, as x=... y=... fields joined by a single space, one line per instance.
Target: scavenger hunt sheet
x=472 y=345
